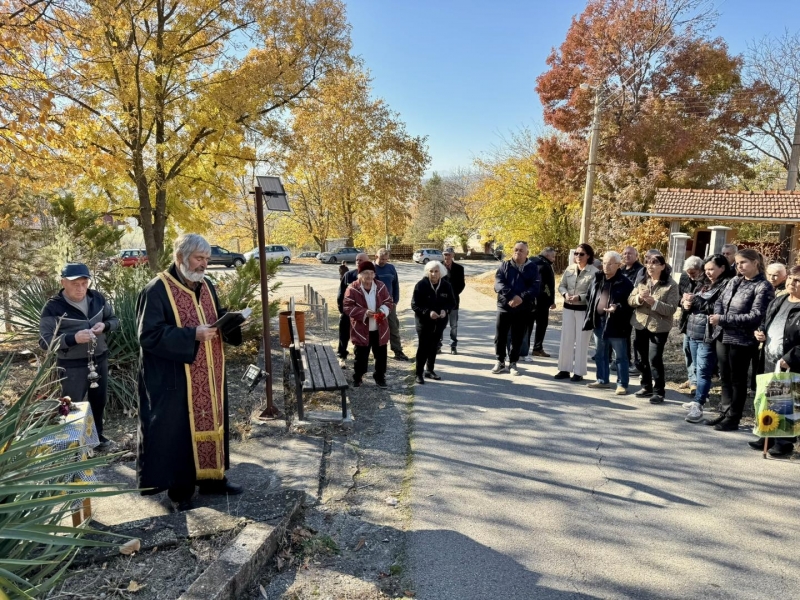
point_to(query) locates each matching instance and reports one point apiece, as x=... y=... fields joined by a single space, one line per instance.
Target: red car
x=132 y=258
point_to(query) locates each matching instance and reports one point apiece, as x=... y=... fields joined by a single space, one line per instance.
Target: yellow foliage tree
x=352 y=168
x=145 y=106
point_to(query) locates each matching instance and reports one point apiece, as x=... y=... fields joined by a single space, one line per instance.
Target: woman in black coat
x=431 y=302
x=780 y=334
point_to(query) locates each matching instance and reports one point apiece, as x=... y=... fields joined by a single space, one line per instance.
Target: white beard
x=190 y=275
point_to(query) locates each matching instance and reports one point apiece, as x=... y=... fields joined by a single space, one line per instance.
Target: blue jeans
x=704 y=359
x=602 y=356
x=688 y=357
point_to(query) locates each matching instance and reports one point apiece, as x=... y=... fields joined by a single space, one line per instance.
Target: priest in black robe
x=183 y=400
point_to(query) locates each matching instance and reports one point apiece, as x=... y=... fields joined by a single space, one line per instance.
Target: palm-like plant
x=36 y=492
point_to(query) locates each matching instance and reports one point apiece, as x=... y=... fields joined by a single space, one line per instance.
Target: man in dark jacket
x=608 y=314
x=545 y=301
x=344 y=320
x=74 y=323
x=455 y=277
x=517 y=285
x=183 y=397
x=631 y=267
x=691 y=279
x=387 y=275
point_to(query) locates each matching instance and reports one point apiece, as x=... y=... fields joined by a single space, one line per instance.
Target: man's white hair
x=435 y=264
x=615 y=255
x=189 y=243
x=693 y=262
x=733 y=247
x=779 y=266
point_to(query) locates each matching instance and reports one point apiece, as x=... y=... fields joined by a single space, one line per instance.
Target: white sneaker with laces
x=512 y=368
x=688 y=405
x=695 y=413
x=499 y=367
x=528 y=358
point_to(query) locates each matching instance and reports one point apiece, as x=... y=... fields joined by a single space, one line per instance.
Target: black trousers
x=541 y=315
x=362 y=357
x=517 y=324
x=74 y=383
x=651 y=351
x=733 y=364
x=344 y=335
x=429 y=336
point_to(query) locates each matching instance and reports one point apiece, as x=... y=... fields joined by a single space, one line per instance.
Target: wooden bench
x=316 y=369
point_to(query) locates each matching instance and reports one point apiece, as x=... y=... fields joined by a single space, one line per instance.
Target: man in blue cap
x=74 y=323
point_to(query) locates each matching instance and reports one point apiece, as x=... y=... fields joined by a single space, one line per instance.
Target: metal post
x=270 y=410
x=591 y=173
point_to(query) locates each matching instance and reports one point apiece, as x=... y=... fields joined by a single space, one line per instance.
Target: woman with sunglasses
x=655 y=301
x=573 y=346
x=696 y=309
x=738 y=313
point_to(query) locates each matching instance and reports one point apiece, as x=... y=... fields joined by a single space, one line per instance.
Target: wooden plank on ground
x=317 y=382
x=341 y=380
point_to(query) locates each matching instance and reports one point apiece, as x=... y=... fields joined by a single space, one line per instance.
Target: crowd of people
x=737 y=317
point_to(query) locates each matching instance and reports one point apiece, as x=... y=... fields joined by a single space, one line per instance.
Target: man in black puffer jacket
x=517 y=284
x=74 y=323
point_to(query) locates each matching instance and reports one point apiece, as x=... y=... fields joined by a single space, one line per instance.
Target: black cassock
x=165 y=448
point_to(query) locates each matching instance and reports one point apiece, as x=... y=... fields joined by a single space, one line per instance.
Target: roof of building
x=725 y=205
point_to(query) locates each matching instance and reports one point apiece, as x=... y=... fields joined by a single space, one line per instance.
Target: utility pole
x=591 y=173
x=785 y=232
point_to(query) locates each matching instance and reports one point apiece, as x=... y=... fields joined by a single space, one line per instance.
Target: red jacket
x=355 y=307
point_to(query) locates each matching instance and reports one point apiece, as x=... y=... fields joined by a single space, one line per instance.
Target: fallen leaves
x=134 y=586
x=130 y=547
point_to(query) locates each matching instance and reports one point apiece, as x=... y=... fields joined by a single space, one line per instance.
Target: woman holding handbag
x=696 y=309
x=780 y=334
x=738 y=312
x=655 y=301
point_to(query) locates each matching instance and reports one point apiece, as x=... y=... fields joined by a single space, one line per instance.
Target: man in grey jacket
x=74 y=323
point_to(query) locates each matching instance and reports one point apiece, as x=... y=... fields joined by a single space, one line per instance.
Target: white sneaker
x=499 y=367
x=688 y=405
x=512 y=368
x=528 y=358
x=695 y=413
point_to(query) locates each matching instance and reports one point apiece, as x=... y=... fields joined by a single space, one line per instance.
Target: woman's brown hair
x=754 y=256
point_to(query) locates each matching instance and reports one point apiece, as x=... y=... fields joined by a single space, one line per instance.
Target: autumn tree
x=673 y=100
x=352 y=168
x=147 y=104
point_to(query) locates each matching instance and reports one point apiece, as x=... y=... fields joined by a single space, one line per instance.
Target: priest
x=183 y=399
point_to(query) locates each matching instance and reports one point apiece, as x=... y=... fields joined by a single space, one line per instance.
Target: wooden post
x=270 y=412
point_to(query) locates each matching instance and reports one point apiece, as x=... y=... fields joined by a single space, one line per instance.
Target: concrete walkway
x=529 y=487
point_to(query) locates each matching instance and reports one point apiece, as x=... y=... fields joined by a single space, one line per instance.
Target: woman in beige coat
x=574 y=343
x=655 y=301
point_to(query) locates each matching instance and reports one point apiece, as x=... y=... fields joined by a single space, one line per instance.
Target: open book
x=231 y=320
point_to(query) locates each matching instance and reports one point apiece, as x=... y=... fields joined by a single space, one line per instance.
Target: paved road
x=533 y=488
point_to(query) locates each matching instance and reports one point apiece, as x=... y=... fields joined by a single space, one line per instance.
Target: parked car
x=130 y=257
x=337 y=255
x=308 y=254
x=273 y=252
x=220 y=256
x=427 y=254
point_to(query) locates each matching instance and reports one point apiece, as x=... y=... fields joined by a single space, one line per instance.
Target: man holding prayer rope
x=183 y=398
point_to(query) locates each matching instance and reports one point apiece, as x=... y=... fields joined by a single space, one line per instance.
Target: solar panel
x=274 y=194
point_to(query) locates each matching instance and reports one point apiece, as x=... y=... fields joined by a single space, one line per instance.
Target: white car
x=427 y=254
x=273 y=252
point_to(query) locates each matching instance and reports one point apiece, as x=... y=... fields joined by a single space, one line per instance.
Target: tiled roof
x=769 y=205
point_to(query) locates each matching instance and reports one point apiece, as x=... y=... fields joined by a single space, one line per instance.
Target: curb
x=241 y=561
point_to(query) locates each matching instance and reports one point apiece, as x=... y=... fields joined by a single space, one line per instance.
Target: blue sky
x=463 y=72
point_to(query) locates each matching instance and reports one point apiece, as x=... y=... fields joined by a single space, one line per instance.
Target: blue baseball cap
x=75 y=271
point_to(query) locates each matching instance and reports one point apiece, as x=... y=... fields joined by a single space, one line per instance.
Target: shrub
x=36 y=491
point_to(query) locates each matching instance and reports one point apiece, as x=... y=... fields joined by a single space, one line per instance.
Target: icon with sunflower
x=768 y=421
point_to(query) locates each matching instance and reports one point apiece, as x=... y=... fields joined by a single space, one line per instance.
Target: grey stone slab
x=340 y=468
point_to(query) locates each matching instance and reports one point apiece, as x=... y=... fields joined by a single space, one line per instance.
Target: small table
x=80 y=431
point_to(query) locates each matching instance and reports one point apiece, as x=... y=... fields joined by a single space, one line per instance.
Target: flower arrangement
x=65 y=406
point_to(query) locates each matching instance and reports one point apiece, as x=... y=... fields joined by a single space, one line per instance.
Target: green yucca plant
x=36 y=493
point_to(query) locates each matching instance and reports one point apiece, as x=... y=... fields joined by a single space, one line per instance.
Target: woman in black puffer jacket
x=696 y=311
x=432 y=301
x=738 y=312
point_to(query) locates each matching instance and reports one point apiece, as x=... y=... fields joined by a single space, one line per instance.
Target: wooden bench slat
x=338 y=374
x=317 y=381
x=325 y=367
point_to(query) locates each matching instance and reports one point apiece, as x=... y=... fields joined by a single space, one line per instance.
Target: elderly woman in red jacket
x=367 y=302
